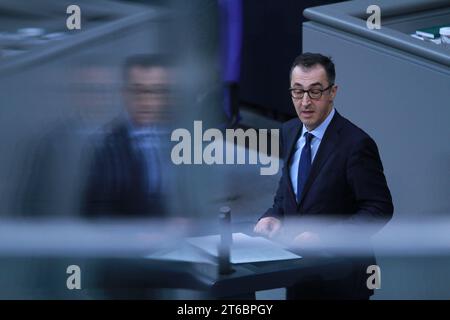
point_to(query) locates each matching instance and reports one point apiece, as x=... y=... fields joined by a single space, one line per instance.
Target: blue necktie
x=147 y=144
x=304 y=165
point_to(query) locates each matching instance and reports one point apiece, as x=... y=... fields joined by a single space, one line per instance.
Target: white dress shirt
x=315 y=143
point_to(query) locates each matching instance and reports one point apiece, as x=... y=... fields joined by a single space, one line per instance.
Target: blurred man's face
x=147 y=95
x=312 y=112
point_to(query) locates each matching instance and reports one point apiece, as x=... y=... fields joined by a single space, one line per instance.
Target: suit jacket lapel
x=326 y=148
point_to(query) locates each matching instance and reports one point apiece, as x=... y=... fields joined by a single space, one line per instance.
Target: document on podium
x=245 y=249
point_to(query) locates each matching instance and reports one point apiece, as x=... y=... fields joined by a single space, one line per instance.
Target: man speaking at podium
x=333 y=174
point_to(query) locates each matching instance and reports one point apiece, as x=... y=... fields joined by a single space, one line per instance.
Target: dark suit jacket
x=346 y=184
x=116 y=185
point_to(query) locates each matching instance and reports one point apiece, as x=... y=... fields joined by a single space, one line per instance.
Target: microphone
x=225 y=240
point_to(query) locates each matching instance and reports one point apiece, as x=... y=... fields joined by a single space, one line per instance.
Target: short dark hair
x=308 y=60
x=145 y=61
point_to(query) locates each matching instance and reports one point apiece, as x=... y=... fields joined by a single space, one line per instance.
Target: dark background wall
x=272 y=38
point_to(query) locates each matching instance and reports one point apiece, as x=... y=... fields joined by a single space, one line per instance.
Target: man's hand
x=268 y=226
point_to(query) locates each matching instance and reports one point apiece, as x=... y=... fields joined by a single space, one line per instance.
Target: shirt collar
x=320 y=130
x=143 y=131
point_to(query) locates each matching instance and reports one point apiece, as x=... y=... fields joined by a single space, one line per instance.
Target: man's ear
x=334 y=90
x=125 y=93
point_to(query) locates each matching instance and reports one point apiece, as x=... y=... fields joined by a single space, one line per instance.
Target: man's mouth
x=307 y=113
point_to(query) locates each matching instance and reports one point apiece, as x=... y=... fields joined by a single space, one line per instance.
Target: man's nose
x=306 y=100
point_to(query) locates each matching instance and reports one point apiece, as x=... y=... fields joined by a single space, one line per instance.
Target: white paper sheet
x=245 y=249
x=184 y=253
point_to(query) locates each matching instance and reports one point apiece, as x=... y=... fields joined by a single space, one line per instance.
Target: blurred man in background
x=129 y=176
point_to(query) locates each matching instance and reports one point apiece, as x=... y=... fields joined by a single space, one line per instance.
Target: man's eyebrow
x=296 y=84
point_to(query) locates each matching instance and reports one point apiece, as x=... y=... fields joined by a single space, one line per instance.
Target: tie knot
x=308 y=137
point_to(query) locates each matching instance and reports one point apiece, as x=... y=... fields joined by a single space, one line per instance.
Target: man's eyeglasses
x=314 y=94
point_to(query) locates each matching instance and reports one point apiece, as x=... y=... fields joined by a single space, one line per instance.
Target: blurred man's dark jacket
x=117 y=180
